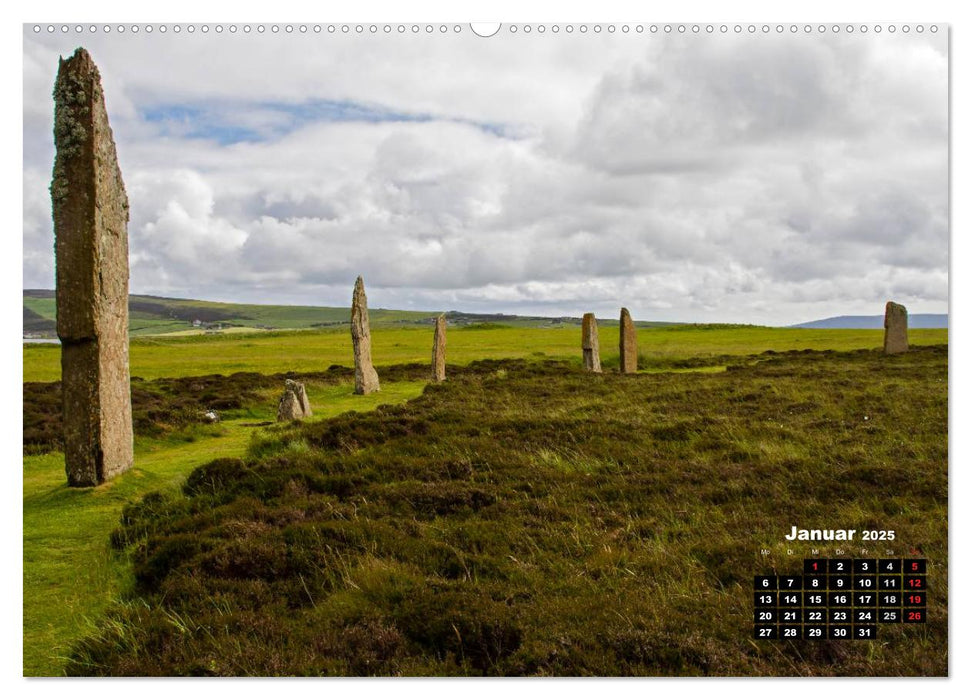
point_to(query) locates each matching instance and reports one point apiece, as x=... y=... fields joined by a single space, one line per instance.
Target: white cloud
x=762 y=179
x=38 y=231
x=176 y=236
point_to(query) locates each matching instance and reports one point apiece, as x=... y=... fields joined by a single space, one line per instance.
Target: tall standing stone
x=591 y=344
x=628 y=343
x=365 y=377
x=90 y=211
x=438 y=350
x=895 y=329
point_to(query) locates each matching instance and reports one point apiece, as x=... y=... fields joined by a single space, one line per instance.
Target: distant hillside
x=867 y=322
x=152 y=315
x=36 y=324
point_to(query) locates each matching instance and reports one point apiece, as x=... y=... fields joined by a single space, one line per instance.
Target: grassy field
x=312 y=351
x=531 y=519
x=530 y=488
x=70 y=572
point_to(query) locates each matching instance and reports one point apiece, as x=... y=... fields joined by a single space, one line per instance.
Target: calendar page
x=395 y=349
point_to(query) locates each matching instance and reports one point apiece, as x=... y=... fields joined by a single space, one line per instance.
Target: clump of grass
x=547 y=522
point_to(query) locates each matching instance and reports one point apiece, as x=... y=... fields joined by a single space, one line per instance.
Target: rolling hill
x=867 y=322
x=153 y=315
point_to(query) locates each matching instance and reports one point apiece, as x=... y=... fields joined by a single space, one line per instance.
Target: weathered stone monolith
x=297 y=406
x=628 y=343
x=365 y=377
x=895 y=329
x=591 y=344
x=438 y=350
x=294 y=403
x=301 y=392
x=90 y=212
x=289 y=408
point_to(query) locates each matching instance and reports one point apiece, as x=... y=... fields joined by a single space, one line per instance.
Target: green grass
x=70 y=573
x=709 y=447
x=311 y=351
x=526 y=518
x=45 y=307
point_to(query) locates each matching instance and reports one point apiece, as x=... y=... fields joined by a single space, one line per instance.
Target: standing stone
x=628 y=343
x=365 y=377
x=895 y=329
x=289 y=408
x=90 y=211
x=301 y=392
x=438 y=350
x=591 y=344
x=294 y=403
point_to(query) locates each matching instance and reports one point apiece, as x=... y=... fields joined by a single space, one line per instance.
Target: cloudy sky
x=766 y=178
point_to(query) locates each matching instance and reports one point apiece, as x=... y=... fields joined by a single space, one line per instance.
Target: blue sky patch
x=227 y=123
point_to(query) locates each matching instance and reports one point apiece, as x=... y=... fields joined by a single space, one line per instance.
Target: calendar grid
x=840 y=599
